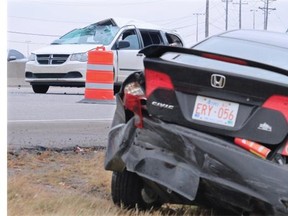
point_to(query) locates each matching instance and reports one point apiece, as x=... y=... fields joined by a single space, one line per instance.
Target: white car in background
x=64 y=62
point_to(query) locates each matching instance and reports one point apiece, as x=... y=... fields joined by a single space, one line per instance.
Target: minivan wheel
x=127 y=190
x=40 y=89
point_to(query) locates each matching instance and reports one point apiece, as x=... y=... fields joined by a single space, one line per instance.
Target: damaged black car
x=205 y=126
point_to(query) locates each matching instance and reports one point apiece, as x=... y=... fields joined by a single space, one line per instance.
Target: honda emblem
x=218 y=81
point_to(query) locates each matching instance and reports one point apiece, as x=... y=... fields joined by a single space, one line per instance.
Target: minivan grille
x=50 y=59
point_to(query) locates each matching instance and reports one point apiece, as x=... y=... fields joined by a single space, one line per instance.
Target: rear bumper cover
x=182 y=159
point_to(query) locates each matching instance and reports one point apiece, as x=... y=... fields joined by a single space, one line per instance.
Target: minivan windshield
x=92 y=34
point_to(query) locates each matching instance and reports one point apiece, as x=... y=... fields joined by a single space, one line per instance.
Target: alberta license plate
x=215 y=111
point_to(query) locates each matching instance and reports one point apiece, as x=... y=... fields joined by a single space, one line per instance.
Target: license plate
x=215 y=111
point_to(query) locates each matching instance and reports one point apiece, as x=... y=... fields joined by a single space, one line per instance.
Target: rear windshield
x=259 y=52
x=227 y=68
x=92 y=34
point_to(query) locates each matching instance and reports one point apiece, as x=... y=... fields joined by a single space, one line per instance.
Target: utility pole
x=207 y=19
x=28 y=51
x=240 y=11
x=226 y=20
x=253 y=10
x=266 y=10
x=197 y=14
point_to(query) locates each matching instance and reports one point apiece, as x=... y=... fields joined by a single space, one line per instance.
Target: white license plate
x=215 y=111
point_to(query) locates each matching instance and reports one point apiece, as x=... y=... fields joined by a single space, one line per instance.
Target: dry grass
x=67 y=183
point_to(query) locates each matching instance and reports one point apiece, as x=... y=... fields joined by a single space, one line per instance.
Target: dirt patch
x=67 y=182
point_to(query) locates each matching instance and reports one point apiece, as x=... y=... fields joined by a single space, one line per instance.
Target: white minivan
x=64 y=62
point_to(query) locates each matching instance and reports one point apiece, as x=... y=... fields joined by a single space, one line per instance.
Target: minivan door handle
x=140 y=54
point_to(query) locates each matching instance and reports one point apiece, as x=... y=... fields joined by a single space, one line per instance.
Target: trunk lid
x=225 y=96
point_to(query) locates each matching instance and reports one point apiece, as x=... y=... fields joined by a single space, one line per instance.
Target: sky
x=32 y=24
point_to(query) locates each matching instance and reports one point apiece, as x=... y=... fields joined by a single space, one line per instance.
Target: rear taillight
x=279 y=103
x=133 y=95
x=156 y=80
x=285 y=149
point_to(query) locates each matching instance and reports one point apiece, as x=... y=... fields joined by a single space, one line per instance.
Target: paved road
x=56 y=119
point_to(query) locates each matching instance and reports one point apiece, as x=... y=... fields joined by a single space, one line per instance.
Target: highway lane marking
x=58 y=120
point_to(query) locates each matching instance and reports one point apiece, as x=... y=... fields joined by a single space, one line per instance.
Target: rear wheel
x=40 y=89
x=128 y=190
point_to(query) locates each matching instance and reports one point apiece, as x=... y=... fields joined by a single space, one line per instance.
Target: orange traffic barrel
x=99 y=76
x=253 y=147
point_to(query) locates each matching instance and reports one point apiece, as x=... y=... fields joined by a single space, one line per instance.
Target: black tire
x=126 y=188
x=40 y=89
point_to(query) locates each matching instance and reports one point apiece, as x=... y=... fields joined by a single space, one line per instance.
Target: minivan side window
x=174 y=40
x=132 y=37
x=151 y=37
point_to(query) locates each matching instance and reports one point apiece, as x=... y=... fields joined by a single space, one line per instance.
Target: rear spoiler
x=155 y=51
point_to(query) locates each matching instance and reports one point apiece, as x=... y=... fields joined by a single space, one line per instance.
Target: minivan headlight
x=32 y=57
x=82 y=57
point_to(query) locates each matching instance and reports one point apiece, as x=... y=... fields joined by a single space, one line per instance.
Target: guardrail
x=16 y=73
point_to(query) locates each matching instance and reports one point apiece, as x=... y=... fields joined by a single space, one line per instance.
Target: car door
x=127 y=60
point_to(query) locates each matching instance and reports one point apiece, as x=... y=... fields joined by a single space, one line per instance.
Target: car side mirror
x=123 y=44
x=12 y=58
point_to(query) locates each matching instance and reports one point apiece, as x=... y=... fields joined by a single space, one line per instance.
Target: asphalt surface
x=57 y=119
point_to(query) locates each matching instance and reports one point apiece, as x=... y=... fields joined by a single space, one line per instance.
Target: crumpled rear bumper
x=186 y=161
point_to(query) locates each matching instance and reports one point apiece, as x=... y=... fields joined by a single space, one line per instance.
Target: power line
x=281 y=21
x=25 y=42
x=45 y=20
x=220 y=12
x=180 y=18
x=137 y=3
x=25 y=33
x=217 y=27
x=165 y=20
x=177 y=20
x=181 y=27
x=94 y=4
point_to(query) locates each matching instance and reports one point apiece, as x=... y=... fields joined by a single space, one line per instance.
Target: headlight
x=32 y=57
x=82 y=57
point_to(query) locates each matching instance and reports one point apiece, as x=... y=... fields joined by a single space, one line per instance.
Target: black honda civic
x=205 y=126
